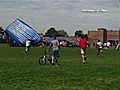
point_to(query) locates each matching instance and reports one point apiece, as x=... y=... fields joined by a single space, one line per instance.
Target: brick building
x=104 y=35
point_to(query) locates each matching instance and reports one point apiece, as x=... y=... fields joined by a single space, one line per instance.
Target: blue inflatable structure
x=18 y=32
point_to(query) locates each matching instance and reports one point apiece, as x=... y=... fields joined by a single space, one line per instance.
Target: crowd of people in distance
x=83 y=44
x=107 y=45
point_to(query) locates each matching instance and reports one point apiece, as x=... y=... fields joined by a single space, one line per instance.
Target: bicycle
x=45 y=58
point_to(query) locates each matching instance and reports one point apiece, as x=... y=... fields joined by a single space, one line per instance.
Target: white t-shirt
x=99 y=44
x=27 y=43
x=55 y=44
x=108 y=44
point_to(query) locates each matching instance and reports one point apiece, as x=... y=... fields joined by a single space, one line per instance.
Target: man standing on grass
x=28 y=42
x=83 y=45
x=99 y=47
x=55 y=51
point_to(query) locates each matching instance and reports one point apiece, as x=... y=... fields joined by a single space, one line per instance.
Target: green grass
x=21 y=71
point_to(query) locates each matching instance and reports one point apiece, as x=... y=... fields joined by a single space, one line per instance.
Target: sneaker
x=84 y=61
x=85 y=58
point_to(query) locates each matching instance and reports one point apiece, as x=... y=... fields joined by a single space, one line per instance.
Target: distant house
x=104 y=35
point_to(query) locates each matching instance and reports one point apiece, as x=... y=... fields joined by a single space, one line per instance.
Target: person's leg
x=57 y=61
x=117 y=47
x=98 y=52
x=83 y=58
x=83 y=55
x=56 y=54
x=52 y=60
x=53 y=57
x=101 y=51
x=26 y=49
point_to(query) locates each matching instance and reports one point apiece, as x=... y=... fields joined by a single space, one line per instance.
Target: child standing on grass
x=28 y=42
x=55 y=51
x=83 y=45
x=99 y=47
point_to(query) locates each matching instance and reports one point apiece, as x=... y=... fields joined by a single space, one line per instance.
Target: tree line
x=53 y=32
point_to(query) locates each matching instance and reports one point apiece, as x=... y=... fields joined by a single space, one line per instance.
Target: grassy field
x=21 y=71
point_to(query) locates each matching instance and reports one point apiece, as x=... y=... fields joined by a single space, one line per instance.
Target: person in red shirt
x=83 y=45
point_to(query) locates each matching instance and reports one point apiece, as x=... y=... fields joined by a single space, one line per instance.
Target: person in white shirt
x=28 y=42
x=108 y=45
x=55 y=51
x=100 y=47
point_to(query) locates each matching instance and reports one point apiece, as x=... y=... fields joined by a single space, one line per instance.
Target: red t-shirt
x=83 y=43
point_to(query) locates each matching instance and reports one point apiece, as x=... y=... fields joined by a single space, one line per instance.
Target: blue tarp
x=18 y=32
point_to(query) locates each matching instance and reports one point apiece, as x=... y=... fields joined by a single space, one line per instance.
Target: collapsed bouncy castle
x=18 y=32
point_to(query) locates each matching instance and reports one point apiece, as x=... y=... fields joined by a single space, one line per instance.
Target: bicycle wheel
x=42 y=60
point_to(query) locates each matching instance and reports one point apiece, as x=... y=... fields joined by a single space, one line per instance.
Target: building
x=104 y=35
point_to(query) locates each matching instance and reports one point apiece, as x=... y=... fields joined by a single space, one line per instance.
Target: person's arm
x=87 y=43
x=78 y=39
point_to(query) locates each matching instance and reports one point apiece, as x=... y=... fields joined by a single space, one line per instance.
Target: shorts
x=83 y=51
x=100 y=49
x=55 y=53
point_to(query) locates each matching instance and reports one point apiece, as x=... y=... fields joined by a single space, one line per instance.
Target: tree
x=86 y=35
x=51 y=32
x=62 y=33
x=78 y=33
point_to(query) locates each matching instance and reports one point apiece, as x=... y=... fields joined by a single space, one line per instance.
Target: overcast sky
x=61 y=14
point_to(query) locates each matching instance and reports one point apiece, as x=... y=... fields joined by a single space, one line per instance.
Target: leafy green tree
x=78 y=33
x=86 y=35
x=51 y=32
x=62 y=33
